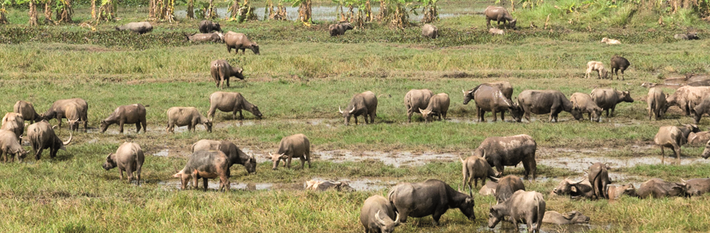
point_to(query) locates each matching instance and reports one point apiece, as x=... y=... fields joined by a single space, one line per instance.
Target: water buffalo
x=507 y=186
x=598 y=67
x=13 y=122
x=231 y=102
x=700 y=109
x=339 y=28
x=572 y=217
x=496 y=31
x=598 y=176
x=581 y=188
x=488 y=98
x=504 y=87
x=697 y=187
x=706 y=151
x=431 y=197
x=543 y=102
x=376 y=215
x=475 y=168
x=584 y=104
x=137 y=27
x=239 y=41
x=687 y=97
x=687 y=36
x=509 y=151
x=181 y=116
x=415 y=100
x=699 y=138
x=499 y=14
x=657 y=104
x=525 y=207
x=488 y=189
x=126 y=114
x=10 y=145
x=430 y=31
x=42 y=136
x=610 y=41
x=221 y=71
x=207 y=26
x=615 y=192
x=215 y=37
x=294 y=146
x=129 y=157
x=438 y=106
x=234 y=154
x=607 y=98
x=673 y=137
x=73 y=112
x=340 y=186
x=205 y=165
x=618 y=64
x=59 y=107
x=27 y=111
x=658 y=188
x=362 y=104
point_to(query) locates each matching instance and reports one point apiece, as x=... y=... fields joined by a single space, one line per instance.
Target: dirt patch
x=364 y=184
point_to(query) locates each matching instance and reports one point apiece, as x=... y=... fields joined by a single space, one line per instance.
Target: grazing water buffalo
x=687 y=97
x=507 y=186
x=59 y=107
x=239 y=41
x=488 y=189
x=207 y=26
x=525 y=207
x=657 y=104
x=431 y=197
x=697 y=187
x=9 y=145
x=504 y=87
x=430 y=31
x=475 y=168
x=582 y=188
x=376 y=215
x=297 y=146
x=27 y=111
x=231 y=102
x=215 y=37
x=42 y=136
x=673 y=137
x=339 y=28
x=438 y=106
x=205 y=165
x=137 y=27
x=340 y=186
x=706 y=151
x=618 y=64
x=598 y=176
x=584 y=104
x=221 y=71
x=543 y=102
x=572 y=217
x=598 y=67
x=13 y=122
x=702 y=108
x=363 y=104
x=73 y=113
x=415 y=100
x=699 y=138
x=607 y=98
x=126 y=114
x=234 y=154
x=129 y=157
x=509 y=151
x=181 y=116
x=615 y=192
x=658 y=188
x=499 y=14
x=488 y=98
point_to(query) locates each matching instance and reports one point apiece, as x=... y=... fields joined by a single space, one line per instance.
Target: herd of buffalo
x=213 y=159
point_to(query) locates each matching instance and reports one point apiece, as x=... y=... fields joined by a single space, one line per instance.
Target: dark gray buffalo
x=376 y=215
x=431 y=197
x=207 y=26
x=607 y=98
x=294 y=146
x=525 y=207
x=126 y=114
x=598 y=176
x=697 y=187
x=129 y=158
x=488 y=98
x=543 y=102
x=572 y=217
x=507 y=186
x=339 y=28
x=234 y=154
x=416 y=99
x=41 y=135
x=509 y=151
x=221 y=70
x=581 y=188
x=362 y=104
x=231 y=102
x=475 y=168
x=137 y=27
x=438 y=106
x=205 y=164
x=658 y=188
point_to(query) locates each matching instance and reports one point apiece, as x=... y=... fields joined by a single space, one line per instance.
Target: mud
x=549 y=228
x=364 y=184
x=396 y=159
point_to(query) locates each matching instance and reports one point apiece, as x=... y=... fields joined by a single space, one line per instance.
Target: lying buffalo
x=239 y=41
x=706 y=151
x=415 y=100
x=615 y=192
x=205 y=164
x=673 y=137
x=129 y=157
x=221 y=70
x=572 y=217
x=363 y=104
x=488 y=98
x=42 y=136
x=583 y=103
x=137 y=27
x=525 y=207
x=687 y=97
x=58 y=108
x=658 y=188
x=431 y=197
x=215 y=37
x=207 y=26
x=700 y=109
x=699 y=138
x=13 y=122
x=438 y=106
x=543 y=102
x=488 y=189
x=697 y=187
x=231 y=102
x=581 y=188
x=294 y=146
x=607 y=98
x=340 y=186
x=181 y=116
x=430 y=31
x=126 y=114
x=507 y=186
x=376 y=215
x=657 y=104
x=598 y=176
x=509 y=151
x=475 y=168
x=234 y=154
x=9 y=145
x=27 y=110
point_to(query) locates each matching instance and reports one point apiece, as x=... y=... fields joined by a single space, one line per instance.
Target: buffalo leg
x=355 y=118
x=138 y=127
x=145 y=125
x=303 y=162
x=38 y=153
x=205 y=183
x=495 y=115
x=59 y=118
x=288 y=162
x=677 y=154
x=409 y=116
x=120 y=125
x=241 y=116
x=138 y=173
x=502 y=116
x=612 y=111
x=662 y=155
x=129 y=172
x=120 y=171
x=500 y=168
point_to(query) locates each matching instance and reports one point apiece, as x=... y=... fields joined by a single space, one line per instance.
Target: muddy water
x=395 y=159
x=548 y=228
x=364 y=184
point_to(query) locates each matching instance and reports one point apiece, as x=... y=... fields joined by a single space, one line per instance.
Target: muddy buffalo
x=362 y=104
x=488 y=189
x=581 y=188
x=700 y=109
x=239 y=41
x=475 y=168
x=572 y=217
x=706 y=151
x=607 y=98
x=697 y=187
x=231 y=102
x=129 y=158
x=598 y=176
x=543 y=102
x=431 y=197
x=339 y=28
x=488 y=98
x=507 y=186
x=9 y=145
x=137 y=27
x=430 y=31
x=181 y=116
x=13 y=122
x=205 y=165
x=509 y=151
x=615 y=192
x=658 y=188
x=215 y=37
x=376 y=215
x=499 y=14
x=126 y=114
x=42 y=136
x=27 y=110
x=340 y=186
x=438 y=106
x=526 y=207
x=234 y=154
x=687 y=97
x=294 y=146
x=673 y=137
x=415 y=100
x=221 y=71
x=583 y=103
x=699 y=138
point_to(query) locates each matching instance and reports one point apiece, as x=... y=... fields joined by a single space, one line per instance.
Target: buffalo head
x=255 y=49
x=427 y=114
x=110 y=163
x=386 y=225
x=255 y=110
x=276 y=158
x=250 y=164
x=346 y=114
x=466 y=208
x=467 y=96
x=104 y=126
x=626 y=97
x=706 y=151
x=517 y=112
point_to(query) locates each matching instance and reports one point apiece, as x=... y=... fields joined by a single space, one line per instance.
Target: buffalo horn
x=339 y=110
x=70 y=137
x=351 y=111
x=379 y=220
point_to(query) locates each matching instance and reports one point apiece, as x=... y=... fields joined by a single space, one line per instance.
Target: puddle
x=395 y=159
x=364 y=184
x=162 y=153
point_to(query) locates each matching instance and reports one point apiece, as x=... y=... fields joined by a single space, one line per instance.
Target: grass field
x=300 y=79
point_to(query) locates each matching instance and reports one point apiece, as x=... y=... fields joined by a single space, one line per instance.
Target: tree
x=3 y=20
x=64 y=11
x=430 y=11
x=304 y=10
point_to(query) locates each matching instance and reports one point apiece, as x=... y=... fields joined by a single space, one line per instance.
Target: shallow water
x=363 y=184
